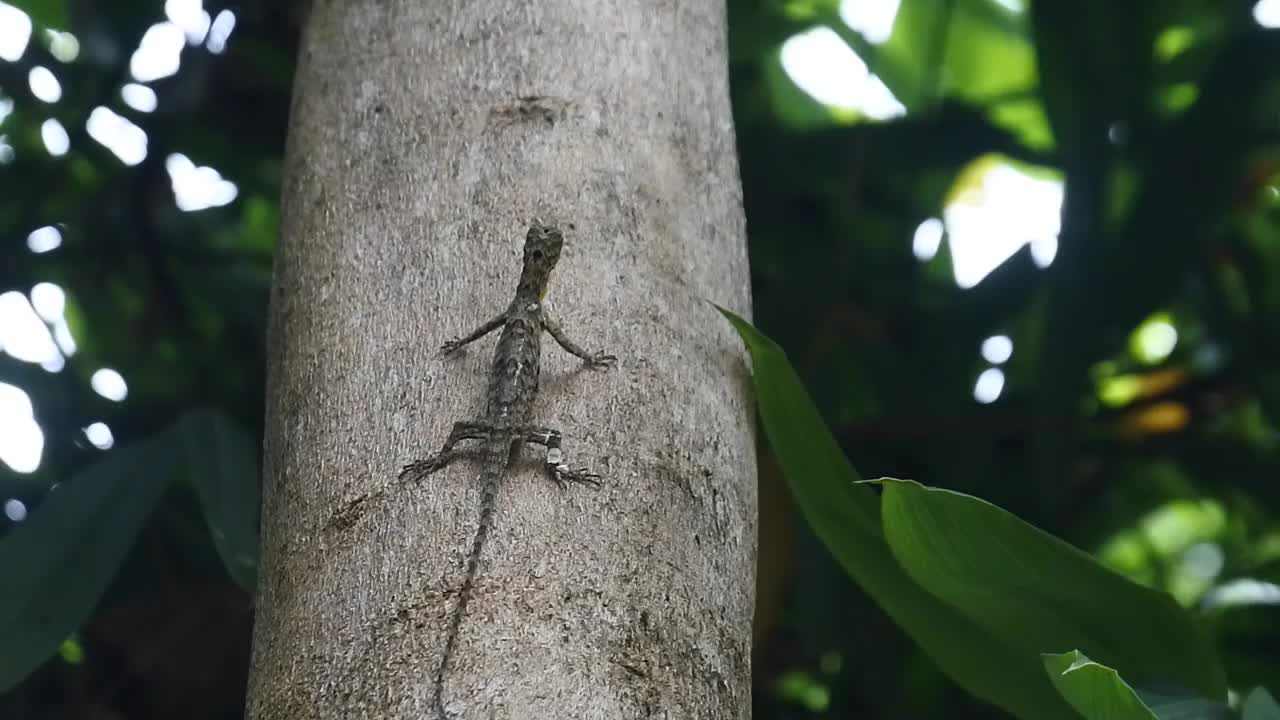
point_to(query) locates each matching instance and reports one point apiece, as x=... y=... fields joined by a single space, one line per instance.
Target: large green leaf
x=222 y=461
x=1099 y=693
x=1096 y=691
x=846 y=517
x=1259 y=705
x=1185 y=706
x=1040 y=594
x=57 y=564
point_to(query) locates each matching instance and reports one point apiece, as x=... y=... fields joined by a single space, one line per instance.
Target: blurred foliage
x=176 y=302
x=985 y=595
x=1161 y=118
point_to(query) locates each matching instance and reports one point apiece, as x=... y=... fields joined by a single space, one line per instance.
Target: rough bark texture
x=425 y=137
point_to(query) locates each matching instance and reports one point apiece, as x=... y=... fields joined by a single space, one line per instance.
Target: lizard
x=506 y=423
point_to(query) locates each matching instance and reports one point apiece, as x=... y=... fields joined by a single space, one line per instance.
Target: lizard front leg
x=594 y=360
x=555 y=464
x=461 y=431
x=489 y=326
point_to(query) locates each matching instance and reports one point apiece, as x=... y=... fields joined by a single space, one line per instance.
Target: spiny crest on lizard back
x=542 y=245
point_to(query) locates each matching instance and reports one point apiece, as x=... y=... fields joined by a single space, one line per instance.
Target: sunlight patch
x=997 y=349
x=23 y=336
x=826 y=68
x=989 y=386
x=159 y=53
x=109 y=384
x=44 y=84
x=219 y=31
x=1267 y=13
x=927 y=239
x=21 y=441
x=99 y=435
x=197 y=188
x=63 y=46
x=117 y=134
x=15 y=32
x=1154 y=340
x=189 y=15
x=42 y=240
x=872 y=18
x=139 y=97
x=994 y=210
x=55 y=137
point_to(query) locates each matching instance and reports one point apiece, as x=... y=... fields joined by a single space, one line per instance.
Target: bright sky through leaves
x=997 y=349
x=100 y=435
x=44 y=84
x=55 y=137
x=992 y=218
x=219 y=31
x=832 y=73
x=21 y=442
x=109 y=384
x=1154 y=340
x=989 y=386
x=35 y=330
x=15 y=510
x=928 y=239
x=139 y=97
x=872 y=18
x=42 y=240
x=985 y=224
x=118 y=134
x=15 y=31
x=1267 y=13
x=197 y=188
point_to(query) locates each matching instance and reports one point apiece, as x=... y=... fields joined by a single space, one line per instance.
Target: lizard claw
x=601 y=360
x=563 y=474
x=450 y=346
x=419 y=469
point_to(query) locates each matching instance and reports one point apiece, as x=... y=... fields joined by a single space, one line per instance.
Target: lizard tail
x=489 y=492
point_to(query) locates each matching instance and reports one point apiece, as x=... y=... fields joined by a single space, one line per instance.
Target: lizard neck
x=541 y=252
x=533 y=284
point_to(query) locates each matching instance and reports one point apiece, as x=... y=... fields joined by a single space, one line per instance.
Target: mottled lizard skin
x=506 y=423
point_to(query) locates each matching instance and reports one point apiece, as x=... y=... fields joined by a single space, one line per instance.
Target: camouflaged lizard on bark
x=506 y=424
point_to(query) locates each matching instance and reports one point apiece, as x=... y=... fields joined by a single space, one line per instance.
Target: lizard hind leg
x=465 y=430
x=555 y=464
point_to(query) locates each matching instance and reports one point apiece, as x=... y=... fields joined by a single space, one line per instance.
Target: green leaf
x=1259 y=705
x=1185 y=706
x=1097 y=692
x=57 y=563
x=922 y=60
x=846 y=517
x=1040 y=594
x=223 y=462
x=793 y=107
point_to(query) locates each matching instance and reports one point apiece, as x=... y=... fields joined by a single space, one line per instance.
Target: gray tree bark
x=425 y=137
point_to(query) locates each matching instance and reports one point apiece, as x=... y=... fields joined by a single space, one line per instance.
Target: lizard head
x=542 y=246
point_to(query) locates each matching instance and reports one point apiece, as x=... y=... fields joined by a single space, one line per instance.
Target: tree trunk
x=425 y=138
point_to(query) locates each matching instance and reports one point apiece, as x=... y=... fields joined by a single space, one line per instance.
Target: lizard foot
x=557 y=468
x=563 y=475
x=417 y=470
